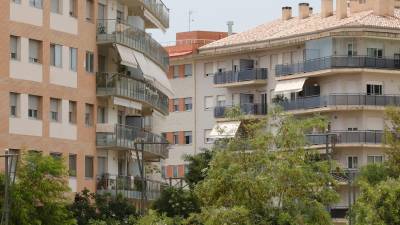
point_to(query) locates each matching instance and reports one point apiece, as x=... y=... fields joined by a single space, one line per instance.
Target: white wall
x=22 y=68
x=64 y=129
x=22 y=124
x=64 y=76
x=24 y=13
x=64 y=22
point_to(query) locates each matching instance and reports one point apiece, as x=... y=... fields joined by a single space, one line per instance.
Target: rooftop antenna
x=190 y=18
x=230 y=27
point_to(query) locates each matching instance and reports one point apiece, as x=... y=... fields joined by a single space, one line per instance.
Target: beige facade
x=54 y=57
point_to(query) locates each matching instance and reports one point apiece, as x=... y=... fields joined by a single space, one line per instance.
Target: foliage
x=249 y=177
x=39 y=192
x=91 y=208
x=392 y=134
x=175 y=202
x=156 y=219
x=212 y=216
x=197 y=167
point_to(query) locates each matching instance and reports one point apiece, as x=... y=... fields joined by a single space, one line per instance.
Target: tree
x=267 y=176
x=379 y=199
x=82 y=208
x=197 y=167
x=39 y=194
x=176 y=202
x=154 y=218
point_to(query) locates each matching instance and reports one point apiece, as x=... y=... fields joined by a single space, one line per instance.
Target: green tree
x=197 y=167
x=250 y=176
x=82 y=207
x=176 y=202
x=153 y=218
x=39 y=194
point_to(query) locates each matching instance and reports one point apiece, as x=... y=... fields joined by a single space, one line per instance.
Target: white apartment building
x=343 y=64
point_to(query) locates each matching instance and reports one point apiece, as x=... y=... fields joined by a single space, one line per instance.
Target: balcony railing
x=338 y=62
x=129 y=187
x=127 y=137
x=159 y=10
x=132 y=37
x=136 y=89
x=246 y=109
x=347 y=137
x=341 y=100
x=241 y=76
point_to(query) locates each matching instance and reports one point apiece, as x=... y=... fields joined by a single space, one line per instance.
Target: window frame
x=186 y=70
x=89 y=111
x=55 y=59
x=55 y=116
x=72 y=172
x=34 y=114
x=211 y=101
x=59 y=6
x=374 y=89
x=73 y=59
x=374 y=157
x=14 y=109
x=175 y=103
x=356 y=162
x=38 y=59
x=89 y=174
x=36 y=4
x=188 y=135
x=89 y=62
x=175 y=138
x=15 y=55
x=188 y=104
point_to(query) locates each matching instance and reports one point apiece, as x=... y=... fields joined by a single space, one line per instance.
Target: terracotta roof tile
x=296 y=27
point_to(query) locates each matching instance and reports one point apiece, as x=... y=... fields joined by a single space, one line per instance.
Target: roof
x=280 y=29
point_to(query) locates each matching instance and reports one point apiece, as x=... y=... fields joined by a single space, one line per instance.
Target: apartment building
x=343 y=64
x=82 y=81
x=179 y=127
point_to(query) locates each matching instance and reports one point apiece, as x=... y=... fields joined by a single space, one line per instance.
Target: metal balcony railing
x=337 y=62
x=128 y=186
x=347 y=137
x=340 y=100
x=241 y=76
x=136 y=89
x=125 y=34
x=128 y=137
x=159 y=10
x=246 y=109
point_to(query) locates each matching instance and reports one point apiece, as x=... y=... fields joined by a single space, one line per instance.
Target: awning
x=225 y=130
x=176 y=54
x=127 y=56
x=127 y=103
x=289 y=86
x=154 y=73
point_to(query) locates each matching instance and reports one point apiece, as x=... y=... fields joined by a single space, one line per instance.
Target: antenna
x=190 y=18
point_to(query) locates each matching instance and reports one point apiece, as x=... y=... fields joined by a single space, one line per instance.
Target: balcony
x=122 y=137
x=116 y=31
x=159 y=10
x=132 y=88
x=246 y=109
x=347 y=138
x=338 y=100
x=128 y=186
x=338 y=62
x=241 y=78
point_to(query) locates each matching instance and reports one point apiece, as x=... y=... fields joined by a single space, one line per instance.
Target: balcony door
x=246 y=64
x=134 y=121
x=264 y=102
x=246 y=99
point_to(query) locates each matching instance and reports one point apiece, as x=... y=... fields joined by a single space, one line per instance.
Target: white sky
x=213 y=14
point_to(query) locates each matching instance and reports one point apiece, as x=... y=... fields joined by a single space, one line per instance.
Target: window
x=17 y=1
x=176 y=105
x=73 y=58
x=34 y=51
x=120 y=16
x=72 y=112
x=56 y=155
x=101 y=18
x=120 y=117
x=56 y=55
x=374 y=159
x=36 y=3
x=188 y=104
x=352 y=162
x=89 y=10
x=89 y=115
x=209 y=69
x=72 y=165
x=208 y=102
x=188 y=70
x=14 y=47
x=163 y=172
x=176 y=72
x=88 y=166
x=89 y=62
x=176 y=138
x=14 y=100
x=34 y=106
x=350 y=49
x=101 y=114
x=374 y=89
x=188 y=137
x=375 y=53
x=175 y=171
x=55 y=108
x=186 y=168
x=352 y=129
x=56 y=6
x=221 y=100
x=72 y=8
x=207 y=138
x=101 y=165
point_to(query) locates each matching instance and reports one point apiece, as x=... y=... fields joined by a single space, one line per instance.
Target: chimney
x=326 y=8
x=230 y=27
x=311 y=11
x=286 y=13
x=304 y=10
x=341 y=9
x=384 y=7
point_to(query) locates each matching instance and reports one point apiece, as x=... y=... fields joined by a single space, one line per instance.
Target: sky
x=213 y=15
